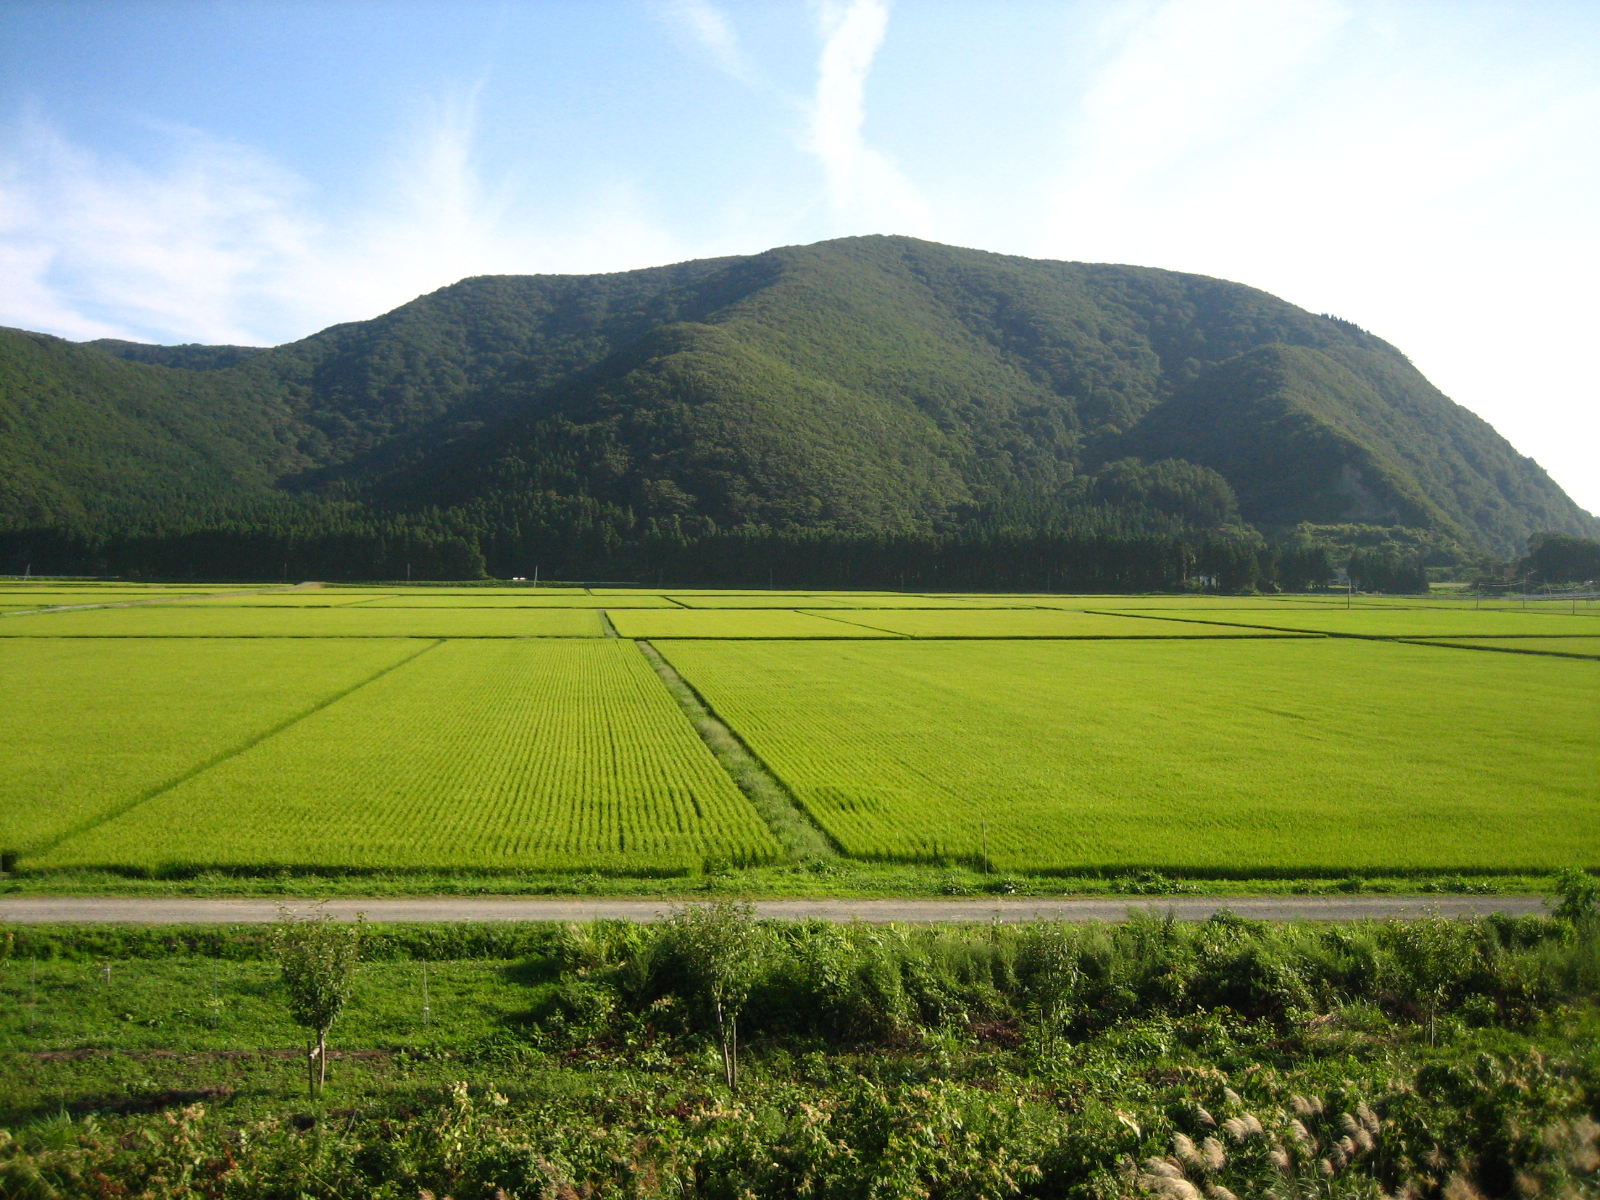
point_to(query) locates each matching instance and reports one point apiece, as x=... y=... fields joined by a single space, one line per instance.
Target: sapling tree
x=317 y=959
x=1051 y=963
x=1433 y=956
x=718 y=946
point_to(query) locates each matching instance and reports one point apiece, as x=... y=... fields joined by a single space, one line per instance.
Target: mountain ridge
x=867 y=385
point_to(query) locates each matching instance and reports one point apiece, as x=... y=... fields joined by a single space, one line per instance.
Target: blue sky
x=254 y=171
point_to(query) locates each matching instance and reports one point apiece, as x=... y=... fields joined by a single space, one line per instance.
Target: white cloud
x=863 y=184
x=220 y=244
x=99 y=247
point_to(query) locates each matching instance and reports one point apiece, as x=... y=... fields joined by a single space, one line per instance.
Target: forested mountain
x=876 y=387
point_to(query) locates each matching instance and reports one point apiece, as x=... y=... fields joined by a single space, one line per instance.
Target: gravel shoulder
x=186 y=911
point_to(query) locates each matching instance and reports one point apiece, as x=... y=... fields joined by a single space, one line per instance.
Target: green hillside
x=876 y=386
x=84 y=437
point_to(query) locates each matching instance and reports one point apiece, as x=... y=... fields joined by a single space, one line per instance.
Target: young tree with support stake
x=717 y=945
x=317 y=960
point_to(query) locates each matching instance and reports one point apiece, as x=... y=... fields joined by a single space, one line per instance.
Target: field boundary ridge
x=784 y=815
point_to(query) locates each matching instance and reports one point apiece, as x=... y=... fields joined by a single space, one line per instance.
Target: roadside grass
x=890 y=1061
x=835 y=879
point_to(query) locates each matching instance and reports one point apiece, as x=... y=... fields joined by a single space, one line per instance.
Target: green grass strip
x=789 y=822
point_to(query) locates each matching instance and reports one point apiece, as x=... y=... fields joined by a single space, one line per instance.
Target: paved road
x=151 y=911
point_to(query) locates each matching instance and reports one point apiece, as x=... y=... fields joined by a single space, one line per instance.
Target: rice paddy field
x=489 y=754
x=500 y=729
x=1222 y=755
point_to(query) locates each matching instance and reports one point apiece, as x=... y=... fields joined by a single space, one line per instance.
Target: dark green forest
x=873 y=407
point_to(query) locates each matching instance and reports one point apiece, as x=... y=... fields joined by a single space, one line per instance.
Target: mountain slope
x=878 y=384
x=83 y=436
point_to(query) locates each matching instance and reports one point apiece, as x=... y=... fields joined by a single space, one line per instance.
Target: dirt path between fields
x=34 y=910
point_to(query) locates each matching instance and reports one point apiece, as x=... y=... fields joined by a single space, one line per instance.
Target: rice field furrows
x=528 y=600
x=128 y=589
x=687 y=593
x=1036 y=623
x=509 y=590
x=51 y=599
x=88 y=726
x=1582 y=647
x=1409 y=623
x=735 y=623
x=1228 y=756
x=764 y=600
x=310 y=598
x=473 y=754
x=1182 y=603
x=826 y=600
x=167 y=621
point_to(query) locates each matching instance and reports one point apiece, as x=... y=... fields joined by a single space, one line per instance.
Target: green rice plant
x=310 y=598
x=1407 y=623
x=953 y=603
x=757 y=600
x=53 y=599
x=558 y=754
x=164 y=621
x=1220 y=757
x=528 y=599
x=1037 y=623
x=89 y=726
x=1577 y=647
x=822 y=600
x=1188 y=602
x=734 y=623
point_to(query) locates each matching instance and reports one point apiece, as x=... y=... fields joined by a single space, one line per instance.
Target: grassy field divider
x=789 y=822
x=606 y=625
x=1151 y=616
x=1466 y=645
x=222 y=757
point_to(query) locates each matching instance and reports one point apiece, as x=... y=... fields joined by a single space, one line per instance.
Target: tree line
x=1004 y=560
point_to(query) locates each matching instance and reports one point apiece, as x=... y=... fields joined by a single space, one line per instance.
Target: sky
x=251 y=171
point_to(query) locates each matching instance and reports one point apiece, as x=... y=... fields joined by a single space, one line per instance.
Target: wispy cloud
x=710 y=28
x=97 y=246
x=218 y=243
x=1193 y=76
x=863 y=184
